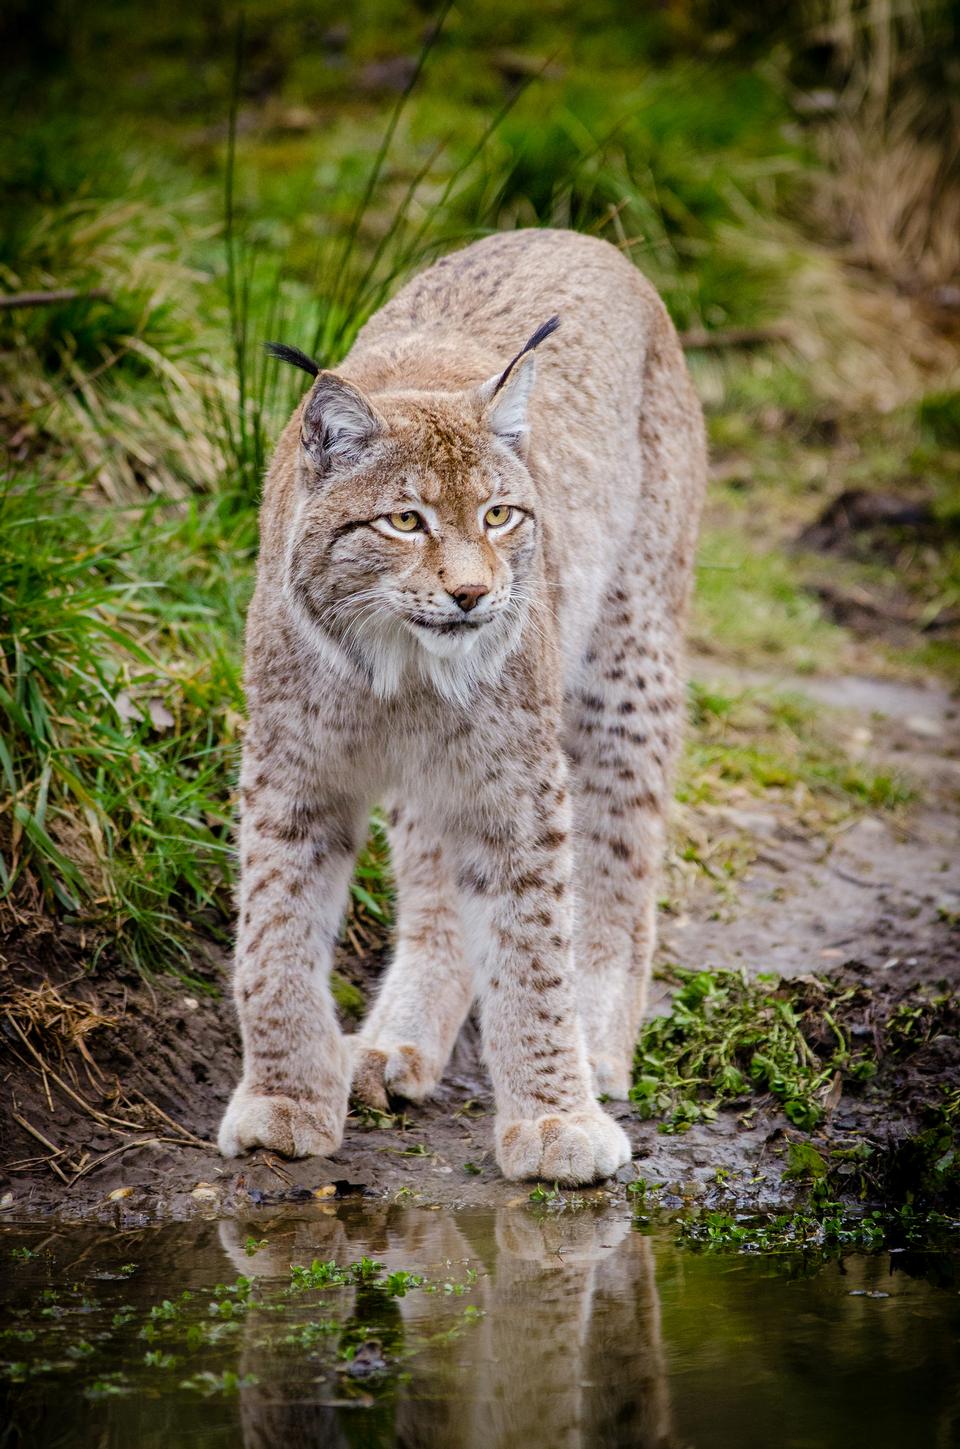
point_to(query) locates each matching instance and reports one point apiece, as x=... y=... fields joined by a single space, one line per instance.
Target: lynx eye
x=496 y=517
x=409 y=522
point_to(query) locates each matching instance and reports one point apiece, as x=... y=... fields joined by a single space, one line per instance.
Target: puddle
x=528 y=1328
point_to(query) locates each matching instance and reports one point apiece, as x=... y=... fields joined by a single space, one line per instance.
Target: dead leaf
x=119 y=1193
x=834 y=1093
x=126 y=708
x=160 y=716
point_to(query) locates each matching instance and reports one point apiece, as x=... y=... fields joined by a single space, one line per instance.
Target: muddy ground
x=121 y=1122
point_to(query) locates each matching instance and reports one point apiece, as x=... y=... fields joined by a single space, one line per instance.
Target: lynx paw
x=611 y=1078
x=396 y=1071
x=569 y=1147
x=297 y=1128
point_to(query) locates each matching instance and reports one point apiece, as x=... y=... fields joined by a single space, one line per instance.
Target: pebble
x=924 y=727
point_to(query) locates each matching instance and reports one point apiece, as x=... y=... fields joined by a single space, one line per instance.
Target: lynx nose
x=468 y=595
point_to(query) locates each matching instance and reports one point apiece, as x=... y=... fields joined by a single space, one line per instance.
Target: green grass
x=121 y=703
x=121 y=709
x=781 y=455
x=830 y=1228
x=750 y=603
x=760 y=742
x=216 y=209
x=729 y=1039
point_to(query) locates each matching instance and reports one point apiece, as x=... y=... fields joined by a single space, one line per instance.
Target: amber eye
x=498 y=516
x=405 y=522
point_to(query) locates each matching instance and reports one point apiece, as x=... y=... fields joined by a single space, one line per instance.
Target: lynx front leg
x=519 y=910
x=403 y=1046
x=297 y=853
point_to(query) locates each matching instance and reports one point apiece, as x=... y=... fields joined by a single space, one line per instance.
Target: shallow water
x=531 y=1327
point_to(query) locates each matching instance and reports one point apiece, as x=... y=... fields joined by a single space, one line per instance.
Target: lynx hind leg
x=404 y=1045
x=625 y=718
x=624 y=723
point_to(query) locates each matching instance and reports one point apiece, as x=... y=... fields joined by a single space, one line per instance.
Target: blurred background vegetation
x=199 y=177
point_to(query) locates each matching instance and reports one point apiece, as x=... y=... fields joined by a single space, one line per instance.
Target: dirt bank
x=112 y=1088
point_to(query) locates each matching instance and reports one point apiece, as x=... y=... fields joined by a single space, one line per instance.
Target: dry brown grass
x=118 y=390
x=58 y=1024
x=893 y=197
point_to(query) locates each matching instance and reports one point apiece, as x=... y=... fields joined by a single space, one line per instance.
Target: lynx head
x=414 y=535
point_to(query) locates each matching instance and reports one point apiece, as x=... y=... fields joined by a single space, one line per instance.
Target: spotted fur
x=513 y=694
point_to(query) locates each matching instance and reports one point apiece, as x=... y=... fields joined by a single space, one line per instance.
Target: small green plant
x=728 y=1038
x=253 y=1245
x=164 y=1312
x=365 y=1270
x=108 y=1386
x=308 y=1335
x=805 y=1162
x=227 y=1383
x=317 y=1275
x=398 y=1284
x=156 y=1358
x=829 y=1226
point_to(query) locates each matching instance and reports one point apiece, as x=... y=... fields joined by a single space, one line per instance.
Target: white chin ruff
x=456 y=644
x=393 y=651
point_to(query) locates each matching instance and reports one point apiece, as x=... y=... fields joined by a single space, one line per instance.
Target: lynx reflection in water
x=380 y=1324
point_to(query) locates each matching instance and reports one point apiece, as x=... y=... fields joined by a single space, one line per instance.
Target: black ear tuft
x=294 y=356
x=545 y=330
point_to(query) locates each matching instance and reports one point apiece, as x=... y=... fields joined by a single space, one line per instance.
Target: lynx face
x=415 y=528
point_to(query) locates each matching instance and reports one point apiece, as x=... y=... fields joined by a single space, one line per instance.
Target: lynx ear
x=338 y=423
x=506 y=397
x=505 y=413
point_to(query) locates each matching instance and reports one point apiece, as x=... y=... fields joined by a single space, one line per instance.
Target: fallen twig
x=103 y=1118
x=45 y=1141
x=125 y=1147
x=701 y=337
x=114 y=1152
x=188 y=1135
x=51 y=299
x=270 y=1161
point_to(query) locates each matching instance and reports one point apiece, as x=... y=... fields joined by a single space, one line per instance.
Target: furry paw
x=568 y=1147
x=380 y=1073
x=296 y=1127
x=611 y=1078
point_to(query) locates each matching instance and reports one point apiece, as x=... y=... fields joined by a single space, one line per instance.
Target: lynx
x=469 y=609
